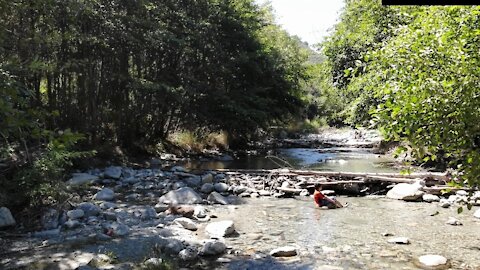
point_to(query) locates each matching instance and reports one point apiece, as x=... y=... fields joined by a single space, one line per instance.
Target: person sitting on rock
x=323 y=201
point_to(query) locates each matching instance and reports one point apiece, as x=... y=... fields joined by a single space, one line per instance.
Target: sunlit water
x=328 y=159
x=350 y=238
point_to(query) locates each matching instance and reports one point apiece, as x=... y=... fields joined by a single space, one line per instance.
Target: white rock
x=399 y=240
x=186 y=223
x=188 y=254
x=406 y=192
x=105 y=194
x=72 y=224
x=75 y=214
x=432 y=260
x=200 y=211
x=461 y=193
x=207 y=188
x=183 y=195
x=152 y=262
x=453 y=221
x=220 y=228
x=213 y=248
x=217 y=198
x=444 y=203
x=220 y=187
x=6 y=218
x=477 y=213
x=287 y=251
x=113 y=172
x=81 y=178
x=430 y=198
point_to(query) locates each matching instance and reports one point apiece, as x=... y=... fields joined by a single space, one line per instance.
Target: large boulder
x=220 y=228
x=81 y=179
x=113 y=172
x=406 y=192
x=217 y=198
x=213 y=248
x=184 y=195
x=105 y=194
x=6 y=218
x=286 y=251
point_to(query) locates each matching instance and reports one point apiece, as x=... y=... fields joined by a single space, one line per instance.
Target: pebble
x=399 y=240
x=453 y=221
x=433 y=262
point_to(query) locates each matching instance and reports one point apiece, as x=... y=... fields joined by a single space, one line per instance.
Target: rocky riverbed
x=122 y=218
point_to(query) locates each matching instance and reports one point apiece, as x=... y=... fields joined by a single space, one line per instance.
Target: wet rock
x=207 y=188
x=105 y=194
x=113 y=172
x=186 y=223
x=477 y=213
x=207 y=178
x=453 y=221
x=213 y=248
x=406 y=192
x=188 y=254
x=444 y=203
x=430 y=198
x=120 y=229
x=436 y=262
x=220 y=228
x=72 y=224
x=287 y=251
x=50 y=219
x=89 y=209
x=6 y=218
x=183 y=195
x=220 y=187
x=399 y=240
x=75 y=214
x=81 y=179
x=217 y=198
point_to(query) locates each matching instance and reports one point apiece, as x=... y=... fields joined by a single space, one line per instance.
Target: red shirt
x=317 y=196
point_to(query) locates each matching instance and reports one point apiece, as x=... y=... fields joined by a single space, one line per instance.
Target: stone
x=113 y=172
x=128 y=172
x=240 y=189
x=264 y=193
x=188 y=254
x=430 y=198
x=161 y=207
x=147 y=212
x=81 y=179
x=183 y=195
x=153 y=262
x=193 y=181
x=286 y=251
x=399 y=240
x=220 y=187
x=75 y=214
x=453 y=221
x=207 y=188
x=89 y=209
x=50 y=219
x=120 y=229
x=178 y=169
x=433 y=262
x=444 y=203
x=72 y=224
x=186 y=223
x=173 y=246
x=6 y=218
x=47 y=234
x=461 y=193
x=110 y=216
x=211 y=248
x=105 y=194
x=207 y=178
x=200 y=211
x=220 y=228
x=406 y=192
x=304 y=193
x=477 y=213
x=217 y=198
x=108 y=205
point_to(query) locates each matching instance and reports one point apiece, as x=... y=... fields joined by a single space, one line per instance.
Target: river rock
x=207 y=188
x=81 y=179
x=113 y=172
x=461 y=193
x=208 y=178
x=128 y=172
x=184 y=195
x=193 y=181
x=444 y=203
x=220 y=187
x=217 y=198
x=72 y=224
x=108 y=205
x=153 y=262
x=178 y=169
x=430 y=198
x=406 y=192
x=75 y=214
x=186 y=223
x=50 y=219
x=399 y=240
x=453 y=221
x=161 y=207
x=432 y=262
x=6 y=218
x=213 y=248
x=89 y=209
x=240 y=190
x=105 y=194
x=119 y=229
x=173 y=246
x=200 y=211
x=477 y=213
x=287 y=251
x=188 y=254
x=220 y=228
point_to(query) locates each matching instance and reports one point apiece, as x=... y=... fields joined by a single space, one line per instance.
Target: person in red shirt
x=322 y=200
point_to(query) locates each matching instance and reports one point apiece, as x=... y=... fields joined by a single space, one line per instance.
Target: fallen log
x=439 y=190
x=290 y=190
